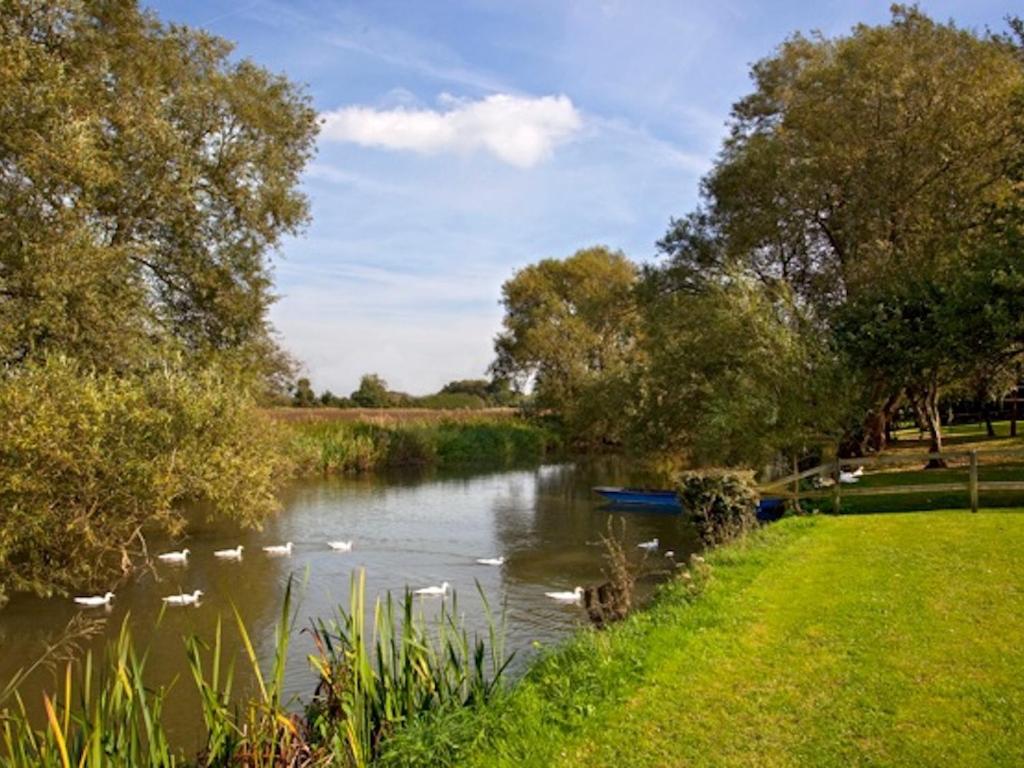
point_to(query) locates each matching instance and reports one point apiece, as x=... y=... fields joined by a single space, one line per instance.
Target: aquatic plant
x=107 y=717
x=331 y=447
x=372 y=685
x=264 y=729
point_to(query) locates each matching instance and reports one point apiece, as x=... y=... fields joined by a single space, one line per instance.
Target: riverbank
x=820 y=641
x=337 y=446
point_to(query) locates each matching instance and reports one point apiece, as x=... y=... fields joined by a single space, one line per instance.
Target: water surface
x=409 y=530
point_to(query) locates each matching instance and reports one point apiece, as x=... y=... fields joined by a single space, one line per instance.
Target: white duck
x=573 y=598
x=174 y=557
x=851 y=477
x=184 y=599
x=434 y=591
x=279 y=549
x=491 y=560
x=340 y=546
x=94 y=601
x=648 y=546
x=229 y=554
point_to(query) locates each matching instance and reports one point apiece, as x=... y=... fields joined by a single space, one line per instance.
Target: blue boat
x=767 y=509
x=640 y=497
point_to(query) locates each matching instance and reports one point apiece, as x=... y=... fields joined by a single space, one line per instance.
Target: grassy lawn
x=825 y=641
x=959 y=438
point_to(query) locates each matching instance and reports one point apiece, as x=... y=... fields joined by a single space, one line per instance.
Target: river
x=409 y=530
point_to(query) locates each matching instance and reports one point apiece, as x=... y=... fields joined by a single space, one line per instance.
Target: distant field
x=390 y=415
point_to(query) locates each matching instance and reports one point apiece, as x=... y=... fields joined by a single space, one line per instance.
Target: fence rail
x=789 y=487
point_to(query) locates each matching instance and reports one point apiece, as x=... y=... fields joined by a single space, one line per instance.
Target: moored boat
x=666 y=500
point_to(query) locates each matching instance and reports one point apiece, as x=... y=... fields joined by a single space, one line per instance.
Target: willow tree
x=876 y=159
x=570 y=332
x=145 y=177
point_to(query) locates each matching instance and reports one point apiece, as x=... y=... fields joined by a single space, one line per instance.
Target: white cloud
x=520 y=131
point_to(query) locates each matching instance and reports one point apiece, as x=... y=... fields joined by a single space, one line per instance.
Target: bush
x=90 y=462
x=722 y=505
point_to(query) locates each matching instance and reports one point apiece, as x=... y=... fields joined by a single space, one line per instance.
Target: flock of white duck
x=574 y=597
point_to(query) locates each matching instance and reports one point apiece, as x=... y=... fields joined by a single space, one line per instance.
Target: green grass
x=826 y=641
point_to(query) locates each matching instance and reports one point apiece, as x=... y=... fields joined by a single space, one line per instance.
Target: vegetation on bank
x=328 y=447
x=817 y=641
x=147 y=175
x=92 y=462
x=372 y=682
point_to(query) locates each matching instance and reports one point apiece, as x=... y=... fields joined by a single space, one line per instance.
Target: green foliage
x=89 y=460
x=570 y=329
x=867 y=176
x=147 y=174
x=107 y=718
x=373 y=685
x=452 y=401
x=494 y=392
x=370 y=686
x=733 y=375
x=721 y=505
x=373 y=393
x=341 y=446
x=260 y=730
x=303 y=395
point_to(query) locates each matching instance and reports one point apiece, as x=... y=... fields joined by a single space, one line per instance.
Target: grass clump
x=372 y=685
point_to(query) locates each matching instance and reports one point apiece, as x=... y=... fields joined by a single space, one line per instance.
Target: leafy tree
x=863 y=172
x=570 y=331
x=304 y=396
x=730 y=375
x=496 y=391
x=372 y=393
x=146 y=177
x=478 y=387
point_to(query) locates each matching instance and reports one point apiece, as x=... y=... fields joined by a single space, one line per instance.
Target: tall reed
x=108 y=718
x=372 y=685
x=263 y=729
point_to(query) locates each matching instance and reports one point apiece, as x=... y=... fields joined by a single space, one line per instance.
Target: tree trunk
x=931 y=414
x=986 y=412
x=1013 y=404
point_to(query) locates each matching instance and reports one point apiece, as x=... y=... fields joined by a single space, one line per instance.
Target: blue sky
x=465 y=140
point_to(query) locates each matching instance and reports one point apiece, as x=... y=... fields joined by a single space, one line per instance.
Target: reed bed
x=389 y=416
x=372 y=683
x=330 y=447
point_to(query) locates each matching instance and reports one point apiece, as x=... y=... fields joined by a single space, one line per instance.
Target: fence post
x=796 y=484
x=973 y=482
x=836 y=502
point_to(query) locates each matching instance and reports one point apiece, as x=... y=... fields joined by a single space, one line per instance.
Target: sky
x=464 y=140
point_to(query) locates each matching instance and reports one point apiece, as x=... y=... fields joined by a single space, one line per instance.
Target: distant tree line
x=857 y=256
x=373 y=392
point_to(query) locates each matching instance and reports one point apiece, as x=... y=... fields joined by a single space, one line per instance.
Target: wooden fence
x=789 y=487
